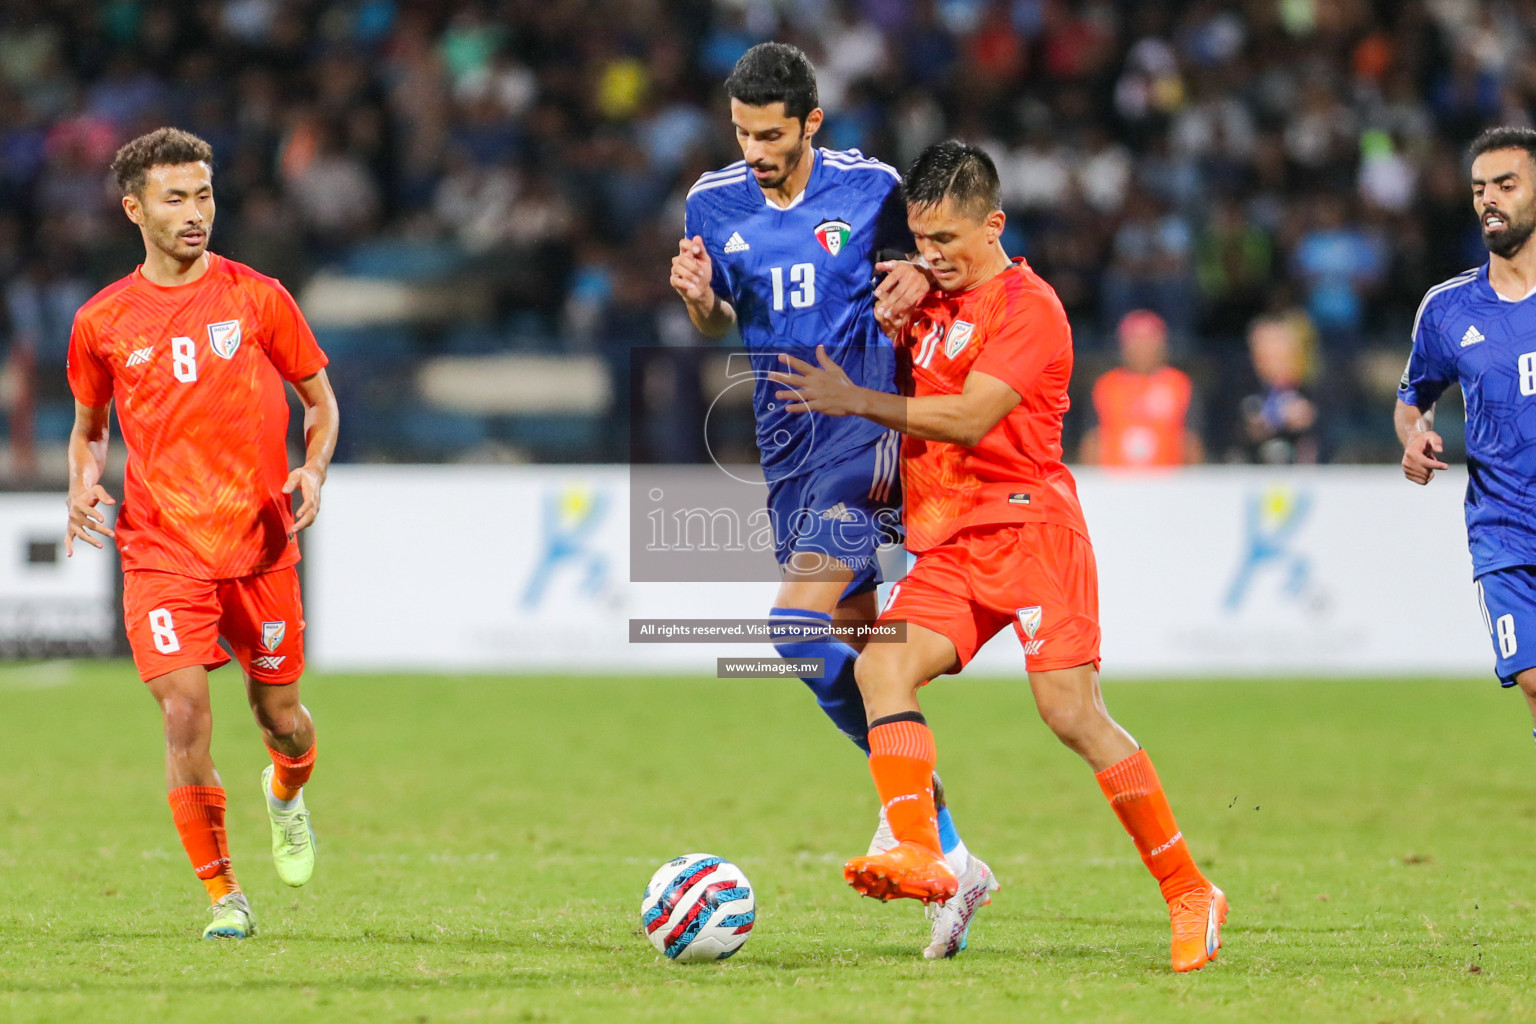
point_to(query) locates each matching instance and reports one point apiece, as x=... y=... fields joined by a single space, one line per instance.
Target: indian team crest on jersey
x=272 y=634
x=958 y=337
x=224 y=338
x=833 y=235
x=1030 y=619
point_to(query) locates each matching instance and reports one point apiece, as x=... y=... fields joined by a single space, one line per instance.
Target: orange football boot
x=1197 y=919
x=905 y=871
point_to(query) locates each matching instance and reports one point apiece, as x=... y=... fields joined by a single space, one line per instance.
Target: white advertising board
x=491 y=568
x=1301 y=571
x=51 y=605
x=1328 y=570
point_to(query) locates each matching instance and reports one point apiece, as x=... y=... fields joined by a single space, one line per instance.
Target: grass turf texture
x=484 y=843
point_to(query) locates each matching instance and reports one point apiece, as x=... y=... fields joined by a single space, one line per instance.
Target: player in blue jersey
x=1479 y=329
x=782 y=245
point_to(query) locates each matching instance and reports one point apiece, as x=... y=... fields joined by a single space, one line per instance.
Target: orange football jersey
x=1013 y=328
x=197 y=374
x=1141 y=417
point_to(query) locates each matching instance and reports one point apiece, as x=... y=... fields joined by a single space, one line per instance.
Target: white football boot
x=951 y=920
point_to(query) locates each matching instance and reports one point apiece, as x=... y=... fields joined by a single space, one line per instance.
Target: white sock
x=959 y=858
x=283 y=806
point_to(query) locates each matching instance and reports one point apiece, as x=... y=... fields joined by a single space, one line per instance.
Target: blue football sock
x=798 y=633
x=948 y=837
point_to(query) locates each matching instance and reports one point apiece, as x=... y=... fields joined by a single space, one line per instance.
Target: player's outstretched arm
x=898 y=293
x=321 y=420
x=692 y=278
x=962 y=419
x=1421 y=445
x=87 y=464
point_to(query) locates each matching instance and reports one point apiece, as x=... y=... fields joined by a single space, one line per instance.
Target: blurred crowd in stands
x=1270 y=186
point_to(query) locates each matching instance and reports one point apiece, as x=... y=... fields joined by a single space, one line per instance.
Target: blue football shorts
x=1507 y=599
x=845 y=509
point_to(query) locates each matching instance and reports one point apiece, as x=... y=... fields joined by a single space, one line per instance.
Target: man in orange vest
x=1143 y=405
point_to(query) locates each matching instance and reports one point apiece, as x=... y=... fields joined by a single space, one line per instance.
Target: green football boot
x=293 y=841
x=232 y=918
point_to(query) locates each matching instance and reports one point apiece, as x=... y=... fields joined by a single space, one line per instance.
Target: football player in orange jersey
x=193 y=349
x=993 y=516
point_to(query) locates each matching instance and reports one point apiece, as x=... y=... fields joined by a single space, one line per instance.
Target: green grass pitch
x=484 y=842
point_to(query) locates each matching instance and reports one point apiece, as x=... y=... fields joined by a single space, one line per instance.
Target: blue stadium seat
x=474 y=340
x=404 y=260
x=54 y=421
x=552 y=437
x=436 y=434
x=383 y=343
x=530 y=331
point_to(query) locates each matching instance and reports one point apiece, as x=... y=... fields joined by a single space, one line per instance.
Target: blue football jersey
x=1466 y=333
x=802 y=276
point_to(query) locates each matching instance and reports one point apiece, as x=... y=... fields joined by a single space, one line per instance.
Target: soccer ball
x=698 y=907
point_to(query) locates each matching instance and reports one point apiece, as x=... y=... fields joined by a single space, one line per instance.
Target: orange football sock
x=901 y=758
x=290 y=773
x=1138 y=799
x=199 y=815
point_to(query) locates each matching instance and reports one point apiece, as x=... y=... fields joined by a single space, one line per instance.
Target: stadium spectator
x=1151 y=266
x=1279 y=420
x=1341 y=264
x=1207 y=160
x=1143 y=405
x=1233 y=263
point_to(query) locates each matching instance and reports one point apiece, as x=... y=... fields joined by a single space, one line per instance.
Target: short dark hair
x=1503 y=137
x=160 y=148
x=775 y=73
x=951 y=168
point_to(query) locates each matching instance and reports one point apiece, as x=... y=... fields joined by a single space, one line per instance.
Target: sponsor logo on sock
x=222 y=862
x=1166 y=846
x=270 y=662
x=893 y=801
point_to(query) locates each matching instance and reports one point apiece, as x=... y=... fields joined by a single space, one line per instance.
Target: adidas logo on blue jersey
x=736 y=243
x=839 y=512
x=1472 y=337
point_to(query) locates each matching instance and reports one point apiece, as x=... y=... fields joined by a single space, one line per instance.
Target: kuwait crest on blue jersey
x=833 y=235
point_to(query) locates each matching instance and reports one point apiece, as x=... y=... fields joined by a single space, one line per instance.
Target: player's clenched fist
x=85 y=519
x=904 y=286
x=692 y=271
x=1421 y=456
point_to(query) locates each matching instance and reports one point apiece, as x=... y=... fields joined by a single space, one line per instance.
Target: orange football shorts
x=174 y=621
x=1040 y=577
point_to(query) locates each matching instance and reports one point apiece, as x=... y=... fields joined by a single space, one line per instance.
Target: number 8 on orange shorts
x=175 y=621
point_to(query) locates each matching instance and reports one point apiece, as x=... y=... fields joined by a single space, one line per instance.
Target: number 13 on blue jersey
x=802 y=279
